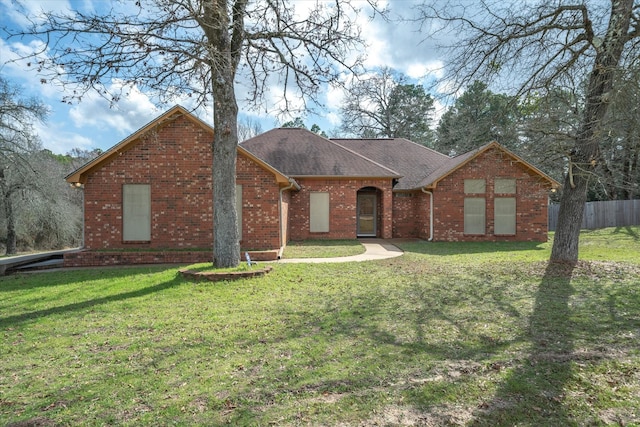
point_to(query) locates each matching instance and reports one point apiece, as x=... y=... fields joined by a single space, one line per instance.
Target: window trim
x=467 y=225
x=511 y=191
x=128 y=235
x=512 y=217
x=319 y=212
x=469 y=185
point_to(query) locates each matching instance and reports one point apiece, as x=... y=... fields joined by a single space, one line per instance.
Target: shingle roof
x=299 y=152
x=413 y=161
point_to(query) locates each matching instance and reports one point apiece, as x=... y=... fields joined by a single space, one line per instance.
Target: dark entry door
x=366 y=215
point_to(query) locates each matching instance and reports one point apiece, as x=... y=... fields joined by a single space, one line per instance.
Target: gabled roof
x=302 y=153
x=412 y=160
x=453 y=164
x=79 y=175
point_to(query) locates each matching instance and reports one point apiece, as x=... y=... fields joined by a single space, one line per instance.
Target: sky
x=95 y=123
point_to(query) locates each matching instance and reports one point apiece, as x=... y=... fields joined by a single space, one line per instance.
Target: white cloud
x=334 y=97
x=56 y=137
x=333 y=118
x=24 y=71
x=419 y=70
x=132 y=111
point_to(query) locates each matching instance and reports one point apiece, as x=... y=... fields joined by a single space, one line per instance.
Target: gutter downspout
x=292 y=184
x=430 y=213
x=83 y=221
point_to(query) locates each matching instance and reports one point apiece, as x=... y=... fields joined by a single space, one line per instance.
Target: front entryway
x=367 y=213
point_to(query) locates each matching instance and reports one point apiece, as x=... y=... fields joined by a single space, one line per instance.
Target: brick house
x=149 y=198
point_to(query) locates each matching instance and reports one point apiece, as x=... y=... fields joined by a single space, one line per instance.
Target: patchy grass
x=448 y=334
x=207 y=266
x=323 y=249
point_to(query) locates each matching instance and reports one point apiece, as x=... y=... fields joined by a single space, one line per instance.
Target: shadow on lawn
x=627 y=230
x=22 y=281
x=535 y=389
x=10 y=321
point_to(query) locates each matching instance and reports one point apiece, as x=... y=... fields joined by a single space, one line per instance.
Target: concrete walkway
x=374 y=249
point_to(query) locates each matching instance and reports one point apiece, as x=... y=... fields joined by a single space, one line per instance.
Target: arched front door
x=367 y=216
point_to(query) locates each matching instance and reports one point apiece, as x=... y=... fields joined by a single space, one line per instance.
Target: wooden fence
x=614 y=213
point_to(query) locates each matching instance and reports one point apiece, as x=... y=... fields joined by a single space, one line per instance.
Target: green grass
x=448 y=334
x=323 y=249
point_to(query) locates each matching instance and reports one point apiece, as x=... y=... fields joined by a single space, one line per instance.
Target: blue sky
x=94 y=123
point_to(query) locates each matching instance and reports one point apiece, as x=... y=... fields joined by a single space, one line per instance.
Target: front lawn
x=323 y=249
x=448 y=334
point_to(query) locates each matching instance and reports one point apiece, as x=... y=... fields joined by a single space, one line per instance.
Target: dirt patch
x=444 y=415
x=213 y=276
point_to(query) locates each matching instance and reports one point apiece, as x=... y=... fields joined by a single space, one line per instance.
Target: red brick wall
x=531 y=200
x=342 y=200
x=175 y=160
x=405 y=218
x=411 y=215
x=260 y=213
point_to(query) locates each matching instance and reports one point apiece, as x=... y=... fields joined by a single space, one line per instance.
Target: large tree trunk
x=224 y=61
x=585 y=154
x=226 y=247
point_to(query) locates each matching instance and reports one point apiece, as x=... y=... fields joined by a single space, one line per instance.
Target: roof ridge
x=420 y=146
x=360 y=155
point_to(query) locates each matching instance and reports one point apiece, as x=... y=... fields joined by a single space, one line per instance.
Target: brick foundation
x=103 y=258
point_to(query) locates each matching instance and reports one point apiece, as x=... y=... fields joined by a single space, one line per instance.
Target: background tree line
x=38 y=208
x=540 y=127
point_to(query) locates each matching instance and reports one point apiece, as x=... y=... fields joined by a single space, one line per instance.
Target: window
x=474 y=207
x=136 y=212
x=505 y=186
x=319 y=212
x=504 y=208
x=474 y=215
x=239 y=209
x=474 y=186
x=505 y=215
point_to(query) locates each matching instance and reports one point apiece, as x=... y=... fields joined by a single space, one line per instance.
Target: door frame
x=367 y=193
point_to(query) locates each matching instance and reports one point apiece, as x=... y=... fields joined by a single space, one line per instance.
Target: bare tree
x=542 y=45
x=548 y=126
x=618 y=166
x=387 y=105
x=198 y=49
x=248 y=128
x=17 y=142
